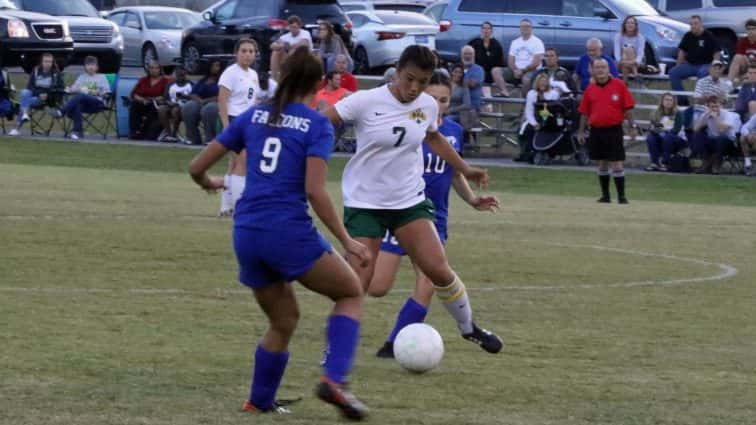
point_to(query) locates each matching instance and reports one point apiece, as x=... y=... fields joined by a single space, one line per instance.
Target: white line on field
x=726 y=271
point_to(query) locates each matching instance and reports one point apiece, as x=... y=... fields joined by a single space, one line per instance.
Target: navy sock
x=412 y=312
x=269 y=369
x=343 y=334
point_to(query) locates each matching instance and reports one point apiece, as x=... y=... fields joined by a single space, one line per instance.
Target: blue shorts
x=391 y=245
x=267 y=257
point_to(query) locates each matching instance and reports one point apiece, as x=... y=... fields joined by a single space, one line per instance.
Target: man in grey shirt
x=89 y=92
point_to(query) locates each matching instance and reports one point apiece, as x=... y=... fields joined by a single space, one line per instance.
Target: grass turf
x=119 y=302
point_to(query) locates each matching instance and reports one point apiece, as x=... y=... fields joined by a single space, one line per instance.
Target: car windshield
x=60 y=8
x=632 y=7
x=732 y=3
x=165 y=20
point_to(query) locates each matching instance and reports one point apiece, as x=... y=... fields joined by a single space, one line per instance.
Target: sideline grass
x=85 y=226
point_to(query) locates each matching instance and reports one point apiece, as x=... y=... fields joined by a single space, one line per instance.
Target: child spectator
x=45 y=86
x=663 y=138
x=203 y=106
x=89 y=96
x=176 y=95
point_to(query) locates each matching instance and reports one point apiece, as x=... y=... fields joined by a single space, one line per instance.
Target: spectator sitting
x=460 y=94
x=525 y=55
x=89 y=92
x=721 y=127
x=555 y=71
x=330 y=46
x=594 y=50
x=331 y=93
x=712 y=85
x=288 y=43
x=203 y=106
x=663 y=137
x=45 y=86
x=348 y=81
x=542 y=91
x=748 y=144
x=146 y=98
x=745 y=53
x=490 y=55
x=697 y=49
x=268 y=88
x=474 y=77
x=6 y=106
x=745 y=105
x=176 y=95
x=629 y=48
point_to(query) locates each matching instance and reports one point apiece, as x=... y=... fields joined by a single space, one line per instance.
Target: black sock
x=619 y=182
x=604 y=182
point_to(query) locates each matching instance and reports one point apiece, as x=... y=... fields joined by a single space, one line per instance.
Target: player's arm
x=203 y=162
x=442 y=148
x=320 y=200
x=480 y=203
x=223 y=94
x=334 y=117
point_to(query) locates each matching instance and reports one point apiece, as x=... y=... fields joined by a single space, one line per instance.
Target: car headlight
x=66 y=29
x=667 y=34
x=17 y=29
x=116 y=29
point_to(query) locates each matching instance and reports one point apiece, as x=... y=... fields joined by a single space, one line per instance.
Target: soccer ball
x=418 y=348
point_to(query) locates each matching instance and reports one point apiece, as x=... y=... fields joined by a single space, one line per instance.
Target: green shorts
x=367 y=223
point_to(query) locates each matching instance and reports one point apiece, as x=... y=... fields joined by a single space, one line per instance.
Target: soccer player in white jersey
x=383 y=184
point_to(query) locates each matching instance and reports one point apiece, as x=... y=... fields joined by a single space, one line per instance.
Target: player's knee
x=440 y=274
x=377 y=289
x=285 y=326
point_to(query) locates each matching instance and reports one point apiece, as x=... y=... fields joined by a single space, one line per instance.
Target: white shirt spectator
x=291 y=40
x=707 y=87
x=638 y=43
x=730 y=118
x=749 y=127
x=525 y=50
x=174 y=89
x=242 y=85
x=532 y=98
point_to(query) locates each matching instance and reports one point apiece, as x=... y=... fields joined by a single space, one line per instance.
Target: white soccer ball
x=418 y=348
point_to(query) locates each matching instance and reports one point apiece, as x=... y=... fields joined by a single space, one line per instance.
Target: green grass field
x=119 y=303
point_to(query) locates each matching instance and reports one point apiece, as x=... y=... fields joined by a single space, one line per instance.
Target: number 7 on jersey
x=402 y=131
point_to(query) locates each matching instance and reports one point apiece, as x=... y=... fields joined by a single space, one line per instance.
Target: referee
x=606 y=104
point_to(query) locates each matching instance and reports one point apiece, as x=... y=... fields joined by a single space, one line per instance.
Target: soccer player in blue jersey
x=288 y=145
x=439 y=178
x=383 y=184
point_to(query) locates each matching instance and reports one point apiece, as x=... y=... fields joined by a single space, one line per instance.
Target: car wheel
x=149 y=54
x=190 y=55
x=361 y=62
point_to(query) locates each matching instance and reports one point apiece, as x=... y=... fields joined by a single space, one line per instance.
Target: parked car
x=24 y=35
x=153 y=33
x=382 y=35
x=563 y=24
x=406 y=5
x=725 y=18
x=229 y=20
x=92 y=35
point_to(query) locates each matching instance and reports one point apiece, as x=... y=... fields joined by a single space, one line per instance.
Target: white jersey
x=174 y=90
x=242 y=85
x=291 y=40
x=386 y=172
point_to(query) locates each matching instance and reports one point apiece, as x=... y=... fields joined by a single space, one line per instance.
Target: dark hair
x=210 y=67
x=750 y=23
x=90 y=60
x=263 y=78
x=329 y=28
x=455 y=66
x=440 y=78
x=713 y=99
x=54 y=67
x=243 y=41
x=624 y=22
x=552 y=49
x=420 y=56
x=526 y=20
x=294 y=19
x=330 y=74
x=487 y=23
x=696 y=17
x=301 y=74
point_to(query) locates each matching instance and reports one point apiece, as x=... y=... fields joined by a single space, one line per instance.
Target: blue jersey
x=438 y=174
x=274 y=196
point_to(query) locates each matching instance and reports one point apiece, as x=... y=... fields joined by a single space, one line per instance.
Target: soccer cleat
x=25 y=118
x=249 y=407
x=337 y=395
x=604 y=200
x=74 y=136
x=486 y=339
x=623 y=201
x=14 y=132
x=386 y=352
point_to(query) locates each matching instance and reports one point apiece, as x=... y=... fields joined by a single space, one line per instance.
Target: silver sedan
x=381 y=36
x=152 y=33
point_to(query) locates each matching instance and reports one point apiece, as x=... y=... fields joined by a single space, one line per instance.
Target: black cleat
x=386 y=352
x=623 y=201
x=337 y=395
x=604 y=200
x=487 y=340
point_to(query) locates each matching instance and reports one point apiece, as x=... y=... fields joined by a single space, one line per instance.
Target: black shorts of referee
x=606 y=144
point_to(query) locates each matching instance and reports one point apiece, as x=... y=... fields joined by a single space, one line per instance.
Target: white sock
x=226 y=199
x=454 y=298
x=748 y=161
x=237 y=188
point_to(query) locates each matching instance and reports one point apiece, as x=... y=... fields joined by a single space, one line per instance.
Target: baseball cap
x=716 y=62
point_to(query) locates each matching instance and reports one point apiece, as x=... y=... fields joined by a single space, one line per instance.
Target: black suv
x=24 y=36
x=264 y=21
